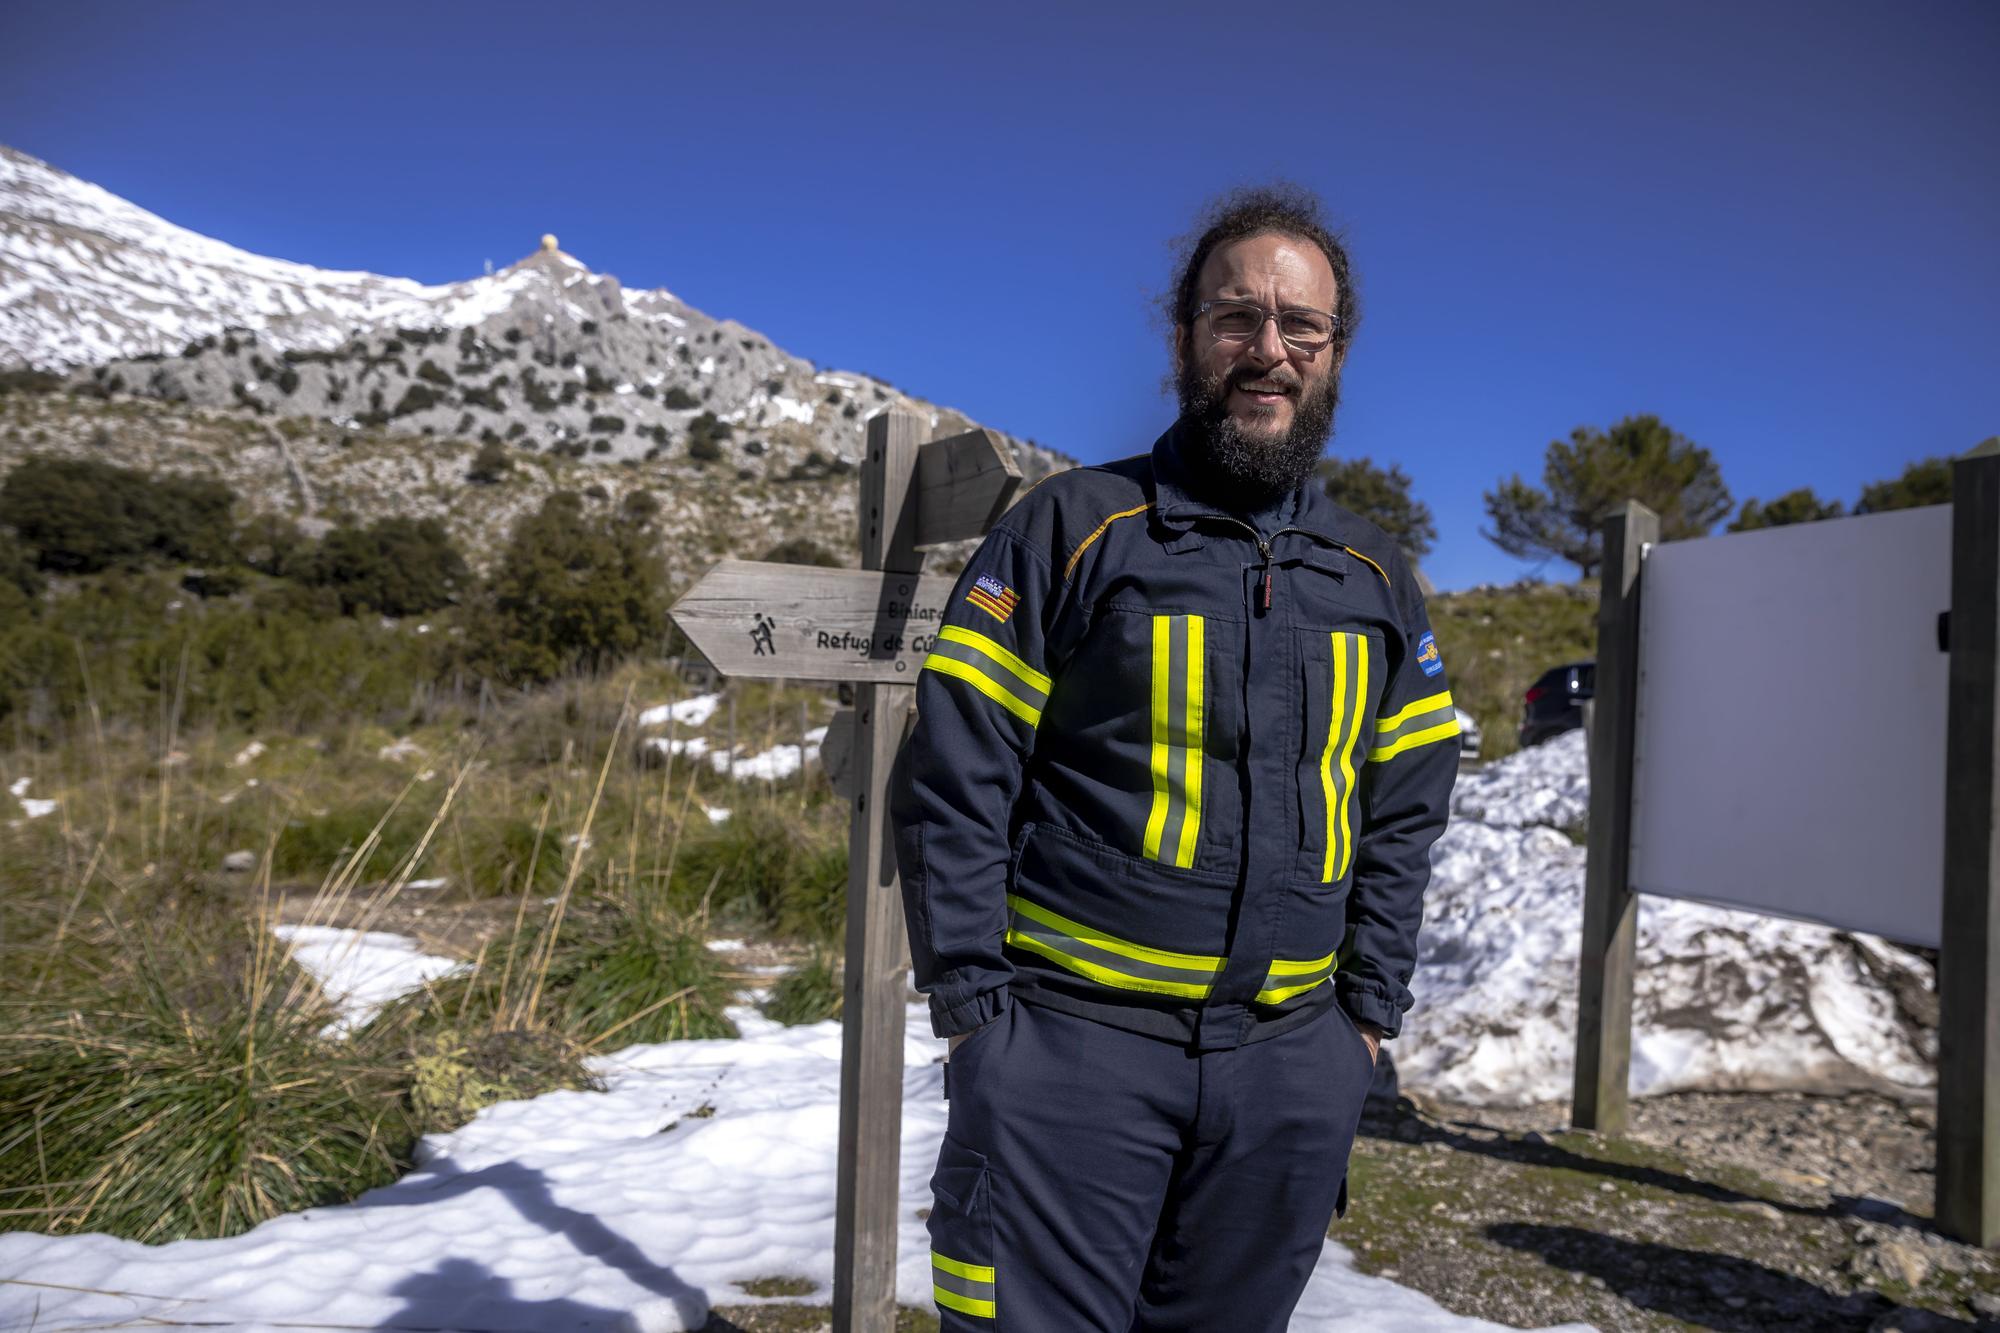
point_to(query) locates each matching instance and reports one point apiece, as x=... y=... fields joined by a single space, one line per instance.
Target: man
x=1164 y=827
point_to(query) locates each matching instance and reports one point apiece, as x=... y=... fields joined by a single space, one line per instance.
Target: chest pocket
x=1176 y=747
x=1342 y=678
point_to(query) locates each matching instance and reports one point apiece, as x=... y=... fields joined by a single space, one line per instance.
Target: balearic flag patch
x=993 y=597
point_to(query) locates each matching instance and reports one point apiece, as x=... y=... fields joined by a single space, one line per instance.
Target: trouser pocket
x=961 y=1230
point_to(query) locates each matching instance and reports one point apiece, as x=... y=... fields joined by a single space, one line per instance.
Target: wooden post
x=870 y=627
x=877 y=962
x=1968 y=1120
x=1610 y=908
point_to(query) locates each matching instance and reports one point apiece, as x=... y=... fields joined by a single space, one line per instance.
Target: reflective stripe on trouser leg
x=967 y=1288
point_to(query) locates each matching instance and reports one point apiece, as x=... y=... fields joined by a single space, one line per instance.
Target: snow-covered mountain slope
x=545 y=354
x=86 y=277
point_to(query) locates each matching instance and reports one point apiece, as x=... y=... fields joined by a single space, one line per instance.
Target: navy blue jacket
x=1171 y=773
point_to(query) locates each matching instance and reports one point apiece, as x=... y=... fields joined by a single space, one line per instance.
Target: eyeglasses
x=1301 y=327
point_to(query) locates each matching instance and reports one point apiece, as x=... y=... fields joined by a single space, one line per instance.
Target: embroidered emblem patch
x=993 y=597
x=1427 y=655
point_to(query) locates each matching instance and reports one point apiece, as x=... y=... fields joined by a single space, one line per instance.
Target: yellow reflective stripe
x=1163 y=656
x=1111 y=943
x=1409 y=711
x=1360 y=645
x=1191 y=738
x=987 y=686
x=1069 y=567
x=1442 y=731
x=973 y=639
x=1279 y=994
x=1343 y=731
x=1286 y=967
x=1109 y=976
x=951 y=1300
x=974 y=1272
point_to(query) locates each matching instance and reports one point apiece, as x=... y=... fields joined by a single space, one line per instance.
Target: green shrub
x=491 y=463
x=678 y=398
x=436 y=374
x=79 y=515
x=569 y=591
x=416 y=398
x=609 y=425
x=195 y=1099
x=810 y=993
x=801 y=551
x=397 y=566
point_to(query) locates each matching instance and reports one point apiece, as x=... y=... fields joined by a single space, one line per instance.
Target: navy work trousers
x=1094 y=1179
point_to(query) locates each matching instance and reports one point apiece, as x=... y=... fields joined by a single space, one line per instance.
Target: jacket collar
x=1180 y=508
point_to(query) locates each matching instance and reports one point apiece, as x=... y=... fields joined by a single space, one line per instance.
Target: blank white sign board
x=1791 y=722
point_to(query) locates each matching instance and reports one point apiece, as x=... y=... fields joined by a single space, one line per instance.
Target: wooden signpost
x=871 y=627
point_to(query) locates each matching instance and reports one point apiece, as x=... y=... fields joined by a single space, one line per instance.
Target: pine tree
x=1593 y=472
x=1383 y=497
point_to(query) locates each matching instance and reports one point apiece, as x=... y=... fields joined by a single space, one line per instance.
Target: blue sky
x=1771 y=224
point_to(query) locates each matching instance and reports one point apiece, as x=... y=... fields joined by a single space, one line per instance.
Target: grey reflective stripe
x=963 y=1286
x=1277 y=979
x=1280 y=986
x=1419 y=722
x=1025 y=931
x=993 y=671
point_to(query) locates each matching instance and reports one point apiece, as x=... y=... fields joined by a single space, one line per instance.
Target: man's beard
x=1241 y=474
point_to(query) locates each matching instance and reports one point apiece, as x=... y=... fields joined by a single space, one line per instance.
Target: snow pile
x=361 y=971
x=1545 y=784
x=703 y=1164
x=1723 y=999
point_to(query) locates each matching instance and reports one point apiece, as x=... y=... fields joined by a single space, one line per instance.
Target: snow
x=1722 y=998
x=690 y=712
x=360 y=971
x=31 y=807
x=248 y=754
x=128 y=281
x=791 y=409
x=703 y=1164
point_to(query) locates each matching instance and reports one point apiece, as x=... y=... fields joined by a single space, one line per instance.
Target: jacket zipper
x=1263 y=548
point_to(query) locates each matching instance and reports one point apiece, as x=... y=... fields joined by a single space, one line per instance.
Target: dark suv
x=1554 y=703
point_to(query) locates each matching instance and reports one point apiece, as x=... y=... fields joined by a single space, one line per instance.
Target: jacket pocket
x=961 y=1231
x=1121 y=921
x=1342 y=674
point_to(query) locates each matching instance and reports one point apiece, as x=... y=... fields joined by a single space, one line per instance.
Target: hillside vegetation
x=1495 y=641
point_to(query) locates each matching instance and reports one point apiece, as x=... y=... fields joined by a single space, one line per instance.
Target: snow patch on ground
x=361 y=971
x=31 y=807
x=694 y=711
x=701 y=1165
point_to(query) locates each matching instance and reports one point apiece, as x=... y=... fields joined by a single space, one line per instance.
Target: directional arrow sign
x=805 y=622
x=963 y=485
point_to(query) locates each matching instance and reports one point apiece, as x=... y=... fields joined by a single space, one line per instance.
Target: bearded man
x=1164 y=827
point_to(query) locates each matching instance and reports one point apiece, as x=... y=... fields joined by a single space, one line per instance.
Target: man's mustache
x=1243 y=379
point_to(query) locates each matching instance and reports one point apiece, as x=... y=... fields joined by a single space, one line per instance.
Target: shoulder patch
x=1427 y=654
x=993 y=597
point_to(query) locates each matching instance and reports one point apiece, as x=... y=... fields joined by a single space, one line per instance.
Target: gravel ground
x=1734 y=1211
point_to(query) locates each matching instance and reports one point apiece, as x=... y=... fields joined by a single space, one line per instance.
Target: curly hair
x=1282 y=208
